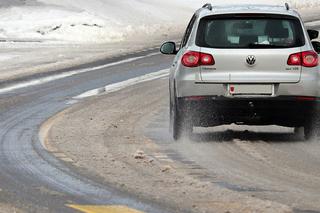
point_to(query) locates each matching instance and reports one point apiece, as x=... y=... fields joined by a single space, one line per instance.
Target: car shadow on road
x=253 y=137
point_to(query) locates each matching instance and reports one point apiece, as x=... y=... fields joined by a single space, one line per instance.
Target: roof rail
x=287 y=6
x=208 y=6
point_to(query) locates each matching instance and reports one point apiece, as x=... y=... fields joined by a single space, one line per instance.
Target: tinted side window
x=188 y=31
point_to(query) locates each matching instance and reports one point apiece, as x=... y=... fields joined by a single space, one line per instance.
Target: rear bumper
x=309 y=85
x=213 y=110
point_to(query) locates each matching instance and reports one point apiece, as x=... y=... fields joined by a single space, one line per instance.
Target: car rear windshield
x=250 y=31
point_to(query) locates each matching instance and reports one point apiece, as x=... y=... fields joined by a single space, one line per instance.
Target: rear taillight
x=191 y=59
x=310 y=59
x=195 y=59
x=306 y=59
x=295 y=59
x=206 y=59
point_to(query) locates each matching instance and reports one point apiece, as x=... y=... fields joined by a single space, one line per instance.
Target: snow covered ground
x=103 y=21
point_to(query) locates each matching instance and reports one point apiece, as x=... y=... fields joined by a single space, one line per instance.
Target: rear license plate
x=250 y=89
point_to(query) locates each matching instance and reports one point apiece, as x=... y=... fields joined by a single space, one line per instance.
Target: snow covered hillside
x=102 y=21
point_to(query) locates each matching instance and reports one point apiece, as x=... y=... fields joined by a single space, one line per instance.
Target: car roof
x=248 y=8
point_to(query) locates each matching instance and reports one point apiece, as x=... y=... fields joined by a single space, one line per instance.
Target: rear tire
x=312 y=128
x=176 y=126
x=299 y=132
x=179 y=124
x=311 y=131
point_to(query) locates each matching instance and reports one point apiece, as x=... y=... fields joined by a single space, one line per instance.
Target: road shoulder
x=104 y=138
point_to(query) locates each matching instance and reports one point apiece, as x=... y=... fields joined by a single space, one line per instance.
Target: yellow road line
x=103 y=209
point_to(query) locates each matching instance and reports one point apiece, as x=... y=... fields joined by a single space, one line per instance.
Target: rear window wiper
x=256 y=45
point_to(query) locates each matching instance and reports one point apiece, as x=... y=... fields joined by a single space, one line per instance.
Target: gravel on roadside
x=103 y=136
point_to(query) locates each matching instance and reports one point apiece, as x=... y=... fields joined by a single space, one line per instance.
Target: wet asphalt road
x=32 y=179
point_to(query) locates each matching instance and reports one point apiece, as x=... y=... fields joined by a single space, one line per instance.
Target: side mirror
x=316 y=46
x=313 y=34
x=168 y=48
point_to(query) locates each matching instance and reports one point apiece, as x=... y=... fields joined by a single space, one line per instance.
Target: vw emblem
x=251 y=60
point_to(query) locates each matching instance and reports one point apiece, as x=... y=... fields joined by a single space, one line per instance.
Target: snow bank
x=99 y=21
x=52 y=23
x=104 y=21
x=302 y=4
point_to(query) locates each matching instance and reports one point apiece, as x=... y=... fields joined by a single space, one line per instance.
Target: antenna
x=287 y=6
x=208 y=6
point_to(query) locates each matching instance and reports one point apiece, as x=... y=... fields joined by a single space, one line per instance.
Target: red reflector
x=232 y=89
x=302 y=98
x=306 y=59
x=195 y=59
x=195 y=98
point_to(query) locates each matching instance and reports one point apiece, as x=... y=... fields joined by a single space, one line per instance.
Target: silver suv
x=245 y=64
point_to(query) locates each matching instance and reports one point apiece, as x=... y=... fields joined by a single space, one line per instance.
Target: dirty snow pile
x=101 y=21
